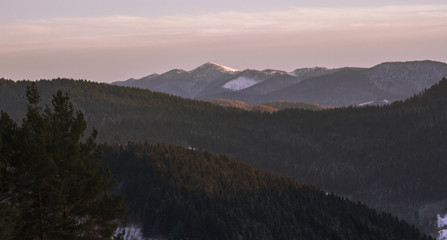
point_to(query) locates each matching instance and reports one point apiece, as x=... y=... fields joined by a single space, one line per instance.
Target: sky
x=113 y=40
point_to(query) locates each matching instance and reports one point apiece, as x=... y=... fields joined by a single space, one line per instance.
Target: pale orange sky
x=116 y=45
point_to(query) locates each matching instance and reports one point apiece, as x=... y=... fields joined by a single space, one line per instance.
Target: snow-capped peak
x=219 y=66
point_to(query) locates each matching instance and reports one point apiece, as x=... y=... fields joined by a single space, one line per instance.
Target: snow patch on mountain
x=239 y=83
x=228 y=69
x=221 y=67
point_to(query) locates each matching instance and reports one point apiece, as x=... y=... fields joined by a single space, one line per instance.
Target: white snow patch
x=442 y=221
x=442 y=235
x=292 y=74
x=386 y=101
x=365 y=103
x=239 y=83
x=225 y=68
x=132 y=233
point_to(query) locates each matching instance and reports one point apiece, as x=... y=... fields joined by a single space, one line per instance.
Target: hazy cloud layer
x=285 y=39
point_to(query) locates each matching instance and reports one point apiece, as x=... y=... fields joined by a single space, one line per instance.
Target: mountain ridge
x=384 y=82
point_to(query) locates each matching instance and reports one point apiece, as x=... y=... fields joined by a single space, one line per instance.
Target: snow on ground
x=132 y=233
x=442 y=221
x=239 y=83
x=442 y=235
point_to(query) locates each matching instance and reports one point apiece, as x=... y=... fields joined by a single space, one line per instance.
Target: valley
x=239 y=120
x=389 y=157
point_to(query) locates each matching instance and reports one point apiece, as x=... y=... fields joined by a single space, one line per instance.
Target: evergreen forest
x=180 y=193
x=389 y=157
x=53 y=185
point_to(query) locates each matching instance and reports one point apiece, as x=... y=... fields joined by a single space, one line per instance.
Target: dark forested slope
x=390 y=157
x=179 y=193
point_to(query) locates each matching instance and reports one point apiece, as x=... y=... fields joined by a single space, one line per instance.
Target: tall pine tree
x=53 y=175
x=8 y=212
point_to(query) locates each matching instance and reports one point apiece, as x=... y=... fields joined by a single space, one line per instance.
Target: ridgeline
x=390 y=157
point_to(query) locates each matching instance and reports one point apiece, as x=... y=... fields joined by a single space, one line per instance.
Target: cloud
x=113 y=31
x=117 y=47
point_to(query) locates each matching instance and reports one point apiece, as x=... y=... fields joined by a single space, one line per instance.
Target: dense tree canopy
x=53 y=185
x=180 y=193
x=390 y=157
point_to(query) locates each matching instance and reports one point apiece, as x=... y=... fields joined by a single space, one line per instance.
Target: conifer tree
x=54 y=176
x=8 y=213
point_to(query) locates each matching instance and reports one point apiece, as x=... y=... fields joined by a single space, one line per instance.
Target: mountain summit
x=381 y=84
x=212 y=65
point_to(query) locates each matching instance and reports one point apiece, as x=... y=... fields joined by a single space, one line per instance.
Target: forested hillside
x=390 y=157
x=180 y=193
x=268 y=106
x=52 y=183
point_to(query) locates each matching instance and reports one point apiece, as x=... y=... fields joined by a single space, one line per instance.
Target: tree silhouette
x=55 y=182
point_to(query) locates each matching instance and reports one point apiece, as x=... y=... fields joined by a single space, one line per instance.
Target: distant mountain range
x=381 y=84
